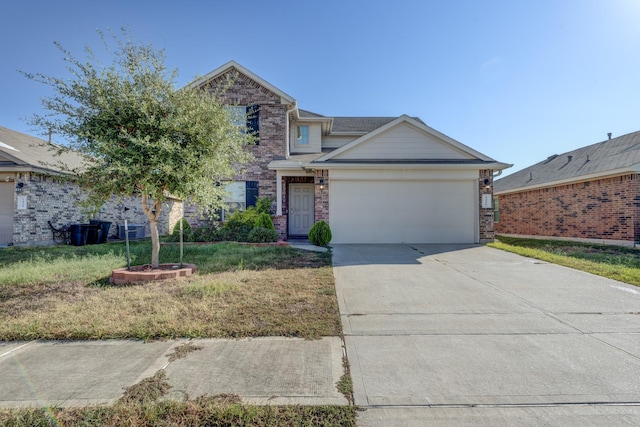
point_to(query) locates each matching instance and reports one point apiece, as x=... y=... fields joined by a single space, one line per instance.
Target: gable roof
x=359 y=125
x=348 y=125
x=231 y=65
x=607 y=158
x=22 y=152
x=450 y=151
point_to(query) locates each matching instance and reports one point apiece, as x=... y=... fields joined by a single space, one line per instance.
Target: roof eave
x=284 y=98
x=575 y=179
x=411 y=165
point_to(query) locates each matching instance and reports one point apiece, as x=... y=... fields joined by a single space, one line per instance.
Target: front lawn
x=614 y=262
x=63 y=292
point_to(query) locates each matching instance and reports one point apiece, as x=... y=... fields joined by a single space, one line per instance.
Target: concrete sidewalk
x=260 y=370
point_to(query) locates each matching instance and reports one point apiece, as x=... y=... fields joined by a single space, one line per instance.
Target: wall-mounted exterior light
x=321 y=183
x=19 y=187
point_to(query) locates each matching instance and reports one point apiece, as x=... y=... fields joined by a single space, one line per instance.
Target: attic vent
x=551 y=157
x=609 y=135
x=569 y=158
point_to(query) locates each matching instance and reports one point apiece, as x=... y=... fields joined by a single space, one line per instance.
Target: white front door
x=301 y=212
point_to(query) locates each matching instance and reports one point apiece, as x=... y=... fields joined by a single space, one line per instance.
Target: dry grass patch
x=259 y=292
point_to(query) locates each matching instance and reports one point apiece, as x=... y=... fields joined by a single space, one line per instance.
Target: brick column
x=487 y=233
x=322 y=195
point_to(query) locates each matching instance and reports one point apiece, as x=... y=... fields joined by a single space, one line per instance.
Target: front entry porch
x=302 y=199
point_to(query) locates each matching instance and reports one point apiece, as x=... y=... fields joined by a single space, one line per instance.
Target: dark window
x=253 y=121
x=251 y=193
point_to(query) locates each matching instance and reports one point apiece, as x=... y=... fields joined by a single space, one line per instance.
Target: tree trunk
x=153 y=213
x=155 y=244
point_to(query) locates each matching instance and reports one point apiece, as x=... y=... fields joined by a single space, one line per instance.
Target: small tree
x=140 y=135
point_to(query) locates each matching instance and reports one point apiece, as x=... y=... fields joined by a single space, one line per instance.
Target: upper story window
x=303 y=135
x=247 y=117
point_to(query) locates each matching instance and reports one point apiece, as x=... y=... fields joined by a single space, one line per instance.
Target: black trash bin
x=93 y=232
x=78 y=235
x=104 y=226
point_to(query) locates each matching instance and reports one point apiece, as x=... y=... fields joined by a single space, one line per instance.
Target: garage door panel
x=402 y=211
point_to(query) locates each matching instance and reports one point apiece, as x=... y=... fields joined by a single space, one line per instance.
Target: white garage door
x=423 y=211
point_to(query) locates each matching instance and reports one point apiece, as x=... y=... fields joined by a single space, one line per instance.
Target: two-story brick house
x=373 y=179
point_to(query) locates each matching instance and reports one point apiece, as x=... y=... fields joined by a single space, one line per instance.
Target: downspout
x=287 y=154
x=294 y=108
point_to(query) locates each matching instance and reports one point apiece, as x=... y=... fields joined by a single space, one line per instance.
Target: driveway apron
x=470 y=335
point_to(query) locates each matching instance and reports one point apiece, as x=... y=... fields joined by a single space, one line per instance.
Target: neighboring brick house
x=33 y=191
x=590 y=194
x=374 y=179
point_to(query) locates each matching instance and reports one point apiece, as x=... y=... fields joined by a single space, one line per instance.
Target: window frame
x=299 y=139
x=246 y=117
x=246 y=196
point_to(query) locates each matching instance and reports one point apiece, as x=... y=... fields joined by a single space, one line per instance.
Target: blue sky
x=517 y=80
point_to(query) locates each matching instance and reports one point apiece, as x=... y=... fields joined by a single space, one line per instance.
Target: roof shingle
x=600 y=158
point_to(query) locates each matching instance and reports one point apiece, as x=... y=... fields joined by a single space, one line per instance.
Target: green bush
x=253 y=216
x=187 y=232
x=205 y=233
x=239 y=224
x=320 y=234
x=236 y=234
x=262 y=235
x=263 y=204
x=241 y=219
x=264 y=221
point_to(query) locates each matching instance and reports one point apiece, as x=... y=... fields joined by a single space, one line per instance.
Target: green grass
x=63 y=292
x=206 y=411
x=614 y=262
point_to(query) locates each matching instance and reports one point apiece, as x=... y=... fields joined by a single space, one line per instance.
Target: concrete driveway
x=470 y=335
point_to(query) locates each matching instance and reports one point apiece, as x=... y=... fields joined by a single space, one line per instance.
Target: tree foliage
x=142 y=136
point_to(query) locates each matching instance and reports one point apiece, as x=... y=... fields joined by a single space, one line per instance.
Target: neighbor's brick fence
x=599 y=209
x=58 y=201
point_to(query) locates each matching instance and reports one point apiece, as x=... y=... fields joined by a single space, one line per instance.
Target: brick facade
x=486 y=214
x=322 y=196
x=51 y=199
x=272 y=123
x=599 y=209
